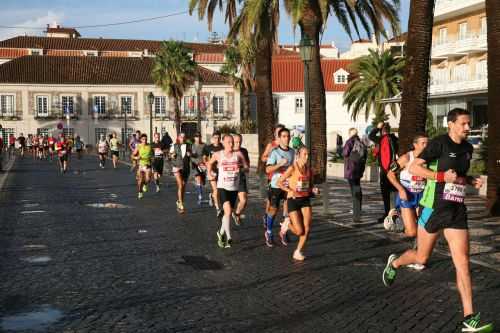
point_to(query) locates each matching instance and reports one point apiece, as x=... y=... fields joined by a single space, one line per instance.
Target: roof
x=399 y=39
x=288 y=75
x=88 y=70
x=100 y=44
x=58 y=29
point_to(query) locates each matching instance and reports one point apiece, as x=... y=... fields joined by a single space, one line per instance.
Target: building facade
x=459 y=68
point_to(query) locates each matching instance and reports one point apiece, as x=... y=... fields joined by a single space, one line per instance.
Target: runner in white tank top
x=229 y=164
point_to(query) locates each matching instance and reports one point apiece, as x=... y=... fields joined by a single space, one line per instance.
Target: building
x=459 y=69
x=89 y=96
x=288 y=95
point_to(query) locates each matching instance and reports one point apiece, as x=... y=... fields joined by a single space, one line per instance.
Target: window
x=443 y=36
x=341 y=79
x=482 y=70
x=100 y=104
x=130 y=131
x=160 y=106
x=42 y=106
x=42 y=131
x=189 y=105
x=98 y=132
x=460 y=73
x=69 y=132
x=67 y=104
x=299 y=105
x=6 y=132
x=462 y=31
x=126 y=104
x=7 y=105
x=36 y=52
x=218 y=105
x=484 y=26
x=91 y=53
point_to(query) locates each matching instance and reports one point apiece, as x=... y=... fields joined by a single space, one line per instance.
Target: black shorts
x=158 y=165
x=243 y=186
x=115 y=153
x=298 y=203
x=198 y=172
x=63 y=158
x=449 y=217
x=227 y=196
x=103 y=155
x=275 y=195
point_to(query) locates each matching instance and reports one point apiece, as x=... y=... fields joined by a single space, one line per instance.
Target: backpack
x=359 y=152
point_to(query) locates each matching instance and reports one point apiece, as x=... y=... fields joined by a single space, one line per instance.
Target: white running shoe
x=417 y=267
x=297 y=255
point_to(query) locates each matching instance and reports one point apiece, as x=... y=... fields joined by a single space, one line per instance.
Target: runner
x=181 y=156
x=243 y=186
x=70 y=144
x=102 y=149
x=114 y=147
x=143 y=154
x=35 y=147
x=51 y=142
x=230 y=164
x=214 y=147
x=296 y=182
x=29 y=144
x=410 y=188
x=134 y=141
x=199 y=166
x=448 y=158
x=62 y=153
x=22 y=144
x=45 y=146
x=79 y=147
x=158 y=160
x=265 y=155
x=12 y=145
x=278 y=162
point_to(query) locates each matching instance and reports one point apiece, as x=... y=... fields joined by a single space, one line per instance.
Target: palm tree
x=493 y=14
x=377 y=76
x=208 y=7
x=416 y=82
x=173 y=71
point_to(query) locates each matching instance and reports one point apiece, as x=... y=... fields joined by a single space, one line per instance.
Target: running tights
x=269 y=223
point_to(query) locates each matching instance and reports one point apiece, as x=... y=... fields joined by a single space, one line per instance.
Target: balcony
x=453 y=87
x=53 y=114
x=450 y=8
x=11 y=115
x=472 y=43
x=115 y=113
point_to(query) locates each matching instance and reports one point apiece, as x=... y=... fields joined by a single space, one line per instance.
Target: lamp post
x=197 y=87
x=306 y=48
x=125 y=105
x=151 y=100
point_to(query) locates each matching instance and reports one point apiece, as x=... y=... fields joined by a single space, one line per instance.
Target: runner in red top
x=51 y=141
x=62 y=152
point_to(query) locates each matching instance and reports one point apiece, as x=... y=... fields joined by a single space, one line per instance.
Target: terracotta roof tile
x=288 y=74
x=88 y=70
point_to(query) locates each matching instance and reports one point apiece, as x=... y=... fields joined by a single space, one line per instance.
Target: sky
x=71 y=13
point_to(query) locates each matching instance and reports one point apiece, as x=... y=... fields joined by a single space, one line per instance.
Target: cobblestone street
x=81 y=250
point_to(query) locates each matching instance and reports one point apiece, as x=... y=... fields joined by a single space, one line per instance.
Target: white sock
x=226 y=222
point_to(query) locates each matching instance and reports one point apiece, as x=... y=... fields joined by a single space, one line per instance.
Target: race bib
x=158 y=152
x=417 y=184
x=454 y=192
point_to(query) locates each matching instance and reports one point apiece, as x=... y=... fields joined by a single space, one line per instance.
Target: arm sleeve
x=373 y=135
x=432 y=152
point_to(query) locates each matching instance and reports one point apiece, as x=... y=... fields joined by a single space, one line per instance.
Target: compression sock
x=270 y=221
x=226 y=226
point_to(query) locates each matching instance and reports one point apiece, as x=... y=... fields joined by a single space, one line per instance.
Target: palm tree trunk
x=493 y=14
x=177 y=116
x=416 y=82
x=264 y=94
x=245 y=105
x=310 y=25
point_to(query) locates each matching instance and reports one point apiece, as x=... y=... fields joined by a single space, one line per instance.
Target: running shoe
x=220 y=213
x=297 y=255
x=157 y=188
x=180 y=207
x=210 y=200
x=200 y=199
x=236 y=219
x=220 y=240
x=389 y=274
x=228 y=243
x=284 y=237
x=144 y=188
x=472 y=323
x=417 y=267
x=140 y=195
x=269 y=239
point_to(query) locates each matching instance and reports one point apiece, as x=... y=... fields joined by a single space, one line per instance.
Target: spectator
x=340 y=144
x=167 y=141
x=386 y=152
x=355 y=154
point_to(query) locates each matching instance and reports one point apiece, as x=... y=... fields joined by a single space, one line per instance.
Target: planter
x=336 y=170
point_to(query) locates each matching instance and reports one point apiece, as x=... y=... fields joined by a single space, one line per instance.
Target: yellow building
x=459 y=76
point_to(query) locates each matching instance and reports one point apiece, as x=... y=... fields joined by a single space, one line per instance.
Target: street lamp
x=151 y=100
x=306 y=47
x=197 y=87
x=125 y=107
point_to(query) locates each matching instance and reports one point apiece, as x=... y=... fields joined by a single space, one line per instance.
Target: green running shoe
x=140 y=195
x=473 y=323
x=389 y=274
x=144 y=188
x=221 y=240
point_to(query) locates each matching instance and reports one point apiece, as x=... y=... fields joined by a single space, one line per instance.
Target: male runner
x=208 y=152
x=51 y=142
x=62 y=153
x=448 y=159
x=114 y=147
x=243 y=186
x=22 y=144
x=102 y=150
x=278 y=162
x=199 y=166
x=230 y=164
x=180 y=153
x=158 y=159
x=143 y=154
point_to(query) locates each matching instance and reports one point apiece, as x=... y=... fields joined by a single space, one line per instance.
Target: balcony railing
x=115 y=113
x=11 y=115
x=55 y=113
x=478 y=83
x=471 y=43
